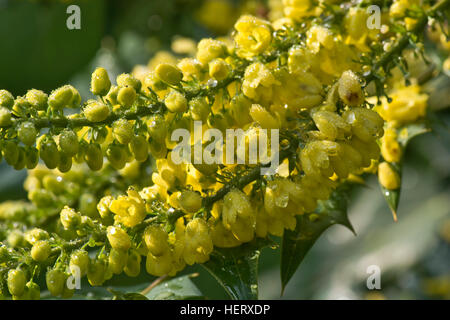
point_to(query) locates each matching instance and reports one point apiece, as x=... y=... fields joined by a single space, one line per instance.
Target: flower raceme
x=294 y=81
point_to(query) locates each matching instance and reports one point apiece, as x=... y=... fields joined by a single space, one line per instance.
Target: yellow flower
x=238 y=215
x=318 y=36
x=253 y=36
x=210 y=49
x=296 y=9
x=390 y=148
x=258 y=81
x=130 y=209
x=198 y=243
x=407 y=105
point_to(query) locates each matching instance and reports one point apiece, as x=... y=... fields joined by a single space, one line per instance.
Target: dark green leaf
x=236 y=269
x=296 y=243
x=392 y=197
x=180 y=288
x=126 y=296
x=406 y=133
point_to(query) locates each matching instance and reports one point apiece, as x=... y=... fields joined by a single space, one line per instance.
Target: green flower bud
x=157 y=149
x=48 y=152
x=117 y=260
x=157 y=128
x=126 y=96
x=56 y=281
x=16 y=282
x=199 y=109
x=111 y=97
x=190 y=201
x=88 y=205
x=4 y=254
x=122 y=131
x=139 y=148
x=15 y=239
x=176 y=102
x=118 y=238
x=34 y=291
x=21 y=106
x=41 y=198
x=53 y=183
x=79 y=259
x=100 y=82
x=153 y=82
x=10 y=152
x=116 y=156
x=65 y=162
x=36 y=234
x=67 y=293
x=27 y=133
x=76 y=98
x=99 y=134
x=169 y=74
x=68 y=142
x=94 y=156
x=6 y=99
x=96 y=111
x=96 y=272
x=32 y=158
x=133 y=267
x=69 y=218
x=21 y=160
x=41 y=250
x=127 y=80
x=61 y=98
x=38 y=99
x=5 y=117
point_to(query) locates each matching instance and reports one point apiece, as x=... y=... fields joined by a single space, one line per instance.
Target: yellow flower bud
x=96 y=111
x=123 y=131
x=209 y=49
x=5 y=117
x=126 y=96
x=190 y=201
x=388 y=177
x=156 y=240
x=118 y=238
x=69 y=217
x=6 y=99
x=176 y=102
x=127 y=80
x=37 y=99
x=350 y=90
x=100 y=83
x=219 y=69
x=169 y=74
x=40 y=251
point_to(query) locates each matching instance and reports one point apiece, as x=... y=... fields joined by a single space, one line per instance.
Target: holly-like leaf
x=392 y=197
x=179 y=288
x=297 y=243
x=236 y=269
x=118 y=295
x=405 y=134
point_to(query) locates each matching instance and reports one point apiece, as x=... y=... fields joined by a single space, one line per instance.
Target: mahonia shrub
x=106 y=196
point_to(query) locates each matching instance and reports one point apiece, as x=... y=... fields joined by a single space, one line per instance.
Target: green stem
x=403 y=42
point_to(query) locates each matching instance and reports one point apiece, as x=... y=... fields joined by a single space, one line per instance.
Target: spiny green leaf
x=118 y=295
x=296 y=243
x=236 y=269
x=407 y=132
x=179 y=288
x=392 y=197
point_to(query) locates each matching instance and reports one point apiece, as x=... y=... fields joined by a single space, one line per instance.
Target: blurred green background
x=38 y=51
